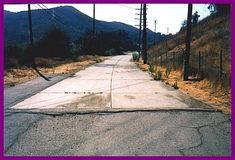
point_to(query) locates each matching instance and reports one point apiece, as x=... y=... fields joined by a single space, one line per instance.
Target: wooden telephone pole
x=30 y=26
x=93 y=28
x=32 y=59
x=144 y=40
x=140 y=29
x=188 y=40
x=154 y=36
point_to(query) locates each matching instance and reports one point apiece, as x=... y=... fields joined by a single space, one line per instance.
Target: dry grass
x=141 y=65
x=215 y=96
x=209 y=36
x=47 y=66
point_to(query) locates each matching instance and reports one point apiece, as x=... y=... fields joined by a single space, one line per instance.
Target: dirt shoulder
x=215 y=96
x=49 y=67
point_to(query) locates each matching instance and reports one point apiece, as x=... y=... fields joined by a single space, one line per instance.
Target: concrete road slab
x=97 y=73
x=130 y=75
x=147 y=100
x=114 y=83
x=139 y=86
x=46 y=100
x=79 y=86
x=59 y=100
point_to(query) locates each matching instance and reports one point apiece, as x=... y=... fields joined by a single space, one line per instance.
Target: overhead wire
x=56 y=18
x=126 y=6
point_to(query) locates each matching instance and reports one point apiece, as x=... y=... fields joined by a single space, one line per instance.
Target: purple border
x=115 y=1
x=232 y=2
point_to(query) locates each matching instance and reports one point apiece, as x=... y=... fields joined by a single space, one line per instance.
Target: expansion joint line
x=111 y=84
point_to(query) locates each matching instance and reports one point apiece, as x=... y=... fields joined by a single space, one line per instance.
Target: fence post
x=199 y=63
x=161 y=60
x=220 y=65
x=174 y=60
x=166 y=58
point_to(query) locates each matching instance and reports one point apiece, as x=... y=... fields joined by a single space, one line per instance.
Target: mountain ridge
x=68 y=19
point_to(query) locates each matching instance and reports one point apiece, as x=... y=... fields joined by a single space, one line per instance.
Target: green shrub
x=135 y=56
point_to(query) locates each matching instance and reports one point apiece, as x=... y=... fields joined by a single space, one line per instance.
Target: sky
x=167 y=15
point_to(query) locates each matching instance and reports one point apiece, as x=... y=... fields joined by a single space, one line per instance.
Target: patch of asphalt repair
x=127 y=133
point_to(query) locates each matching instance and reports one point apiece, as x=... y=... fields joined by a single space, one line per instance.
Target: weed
x=151 y=68
x=158 y=75
x=175 y=85
x=167 y=72
x=135 y=56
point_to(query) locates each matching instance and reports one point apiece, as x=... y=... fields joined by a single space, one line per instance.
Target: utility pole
x=188 y=40
x=144 y=40
x=154 y=36
x=30 y=26
x=167 y=32
x=32 y=59
x=93 y=21
x=140 y=28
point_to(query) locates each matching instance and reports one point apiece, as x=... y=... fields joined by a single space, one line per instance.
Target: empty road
x=110 y=108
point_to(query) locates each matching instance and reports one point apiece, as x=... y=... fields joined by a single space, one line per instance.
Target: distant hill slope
x=72 y=21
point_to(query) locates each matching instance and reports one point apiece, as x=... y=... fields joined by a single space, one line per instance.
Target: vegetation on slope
x=210 y=37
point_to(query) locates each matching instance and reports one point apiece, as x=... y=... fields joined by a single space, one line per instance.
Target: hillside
x=210 y=78
x=74 y=23
x=209 y=36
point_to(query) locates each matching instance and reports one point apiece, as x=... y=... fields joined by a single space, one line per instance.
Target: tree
x=55 y=43
x=105 y=43
x=195 y=17
x=219 y=8
x=183 y=24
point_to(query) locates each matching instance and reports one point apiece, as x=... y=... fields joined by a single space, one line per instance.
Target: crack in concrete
x=111 y=83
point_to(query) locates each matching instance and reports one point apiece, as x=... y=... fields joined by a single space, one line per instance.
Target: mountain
x=68 y=19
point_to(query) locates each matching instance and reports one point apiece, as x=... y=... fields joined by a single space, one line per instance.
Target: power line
x=40 y=16
x=50 y=14
x=46 y=13
x=126 y=6
x=55 y=15
x=56 y=18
